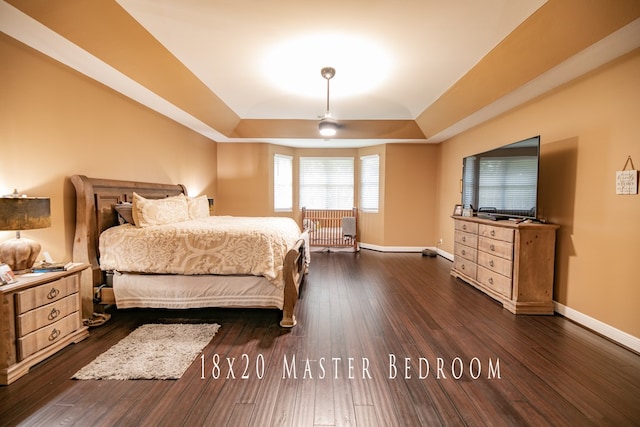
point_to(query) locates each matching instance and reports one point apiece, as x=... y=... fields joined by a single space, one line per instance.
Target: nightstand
x=39 y=315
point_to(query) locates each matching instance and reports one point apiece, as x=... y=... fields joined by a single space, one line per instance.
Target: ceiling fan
x=328 y=126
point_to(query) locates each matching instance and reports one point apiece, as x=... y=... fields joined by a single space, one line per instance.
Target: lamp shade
x=22 y=213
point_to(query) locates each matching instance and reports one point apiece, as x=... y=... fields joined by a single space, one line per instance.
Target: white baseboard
x=445 y=254
x=599 y=327
x=391 y=248
x=378 y=248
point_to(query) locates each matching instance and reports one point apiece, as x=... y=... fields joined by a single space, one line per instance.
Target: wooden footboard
x=295 y=268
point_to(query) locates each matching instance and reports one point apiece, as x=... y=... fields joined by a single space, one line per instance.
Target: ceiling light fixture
x=328 y=126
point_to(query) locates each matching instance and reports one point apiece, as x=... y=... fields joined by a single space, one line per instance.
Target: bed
x=184 y=262
x=331 y=229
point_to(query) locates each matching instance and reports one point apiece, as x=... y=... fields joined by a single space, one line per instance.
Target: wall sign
x=627 y=180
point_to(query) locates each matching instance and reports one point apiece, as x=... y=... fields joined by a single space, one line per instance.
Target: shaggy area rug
x=151 y=352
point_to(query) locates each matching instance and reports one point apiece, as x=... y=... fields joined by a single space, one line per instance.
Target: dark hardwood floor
x=357 y=313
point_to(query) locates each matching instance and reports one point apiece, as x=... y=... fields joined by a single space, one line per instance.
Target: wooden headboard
x=95 y=200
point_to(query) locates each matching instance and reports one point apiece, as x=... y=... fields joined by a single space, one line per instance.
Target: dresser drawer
x=496 y=247
x=469 y=227
x=498 y=233
x=44 y=337
x=466 y=267
x=494 y=263
x=45 y=294
x=466 y=239
x=495 y=281
x=46 y=315
x=466 y=252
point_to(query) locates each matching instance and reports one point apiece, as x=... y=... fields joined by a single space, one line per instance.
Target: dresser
x=509 y=261
x=39 y=315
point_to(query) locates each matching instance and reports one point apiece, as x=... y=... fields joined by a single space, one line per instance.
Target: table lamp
x=18 y=212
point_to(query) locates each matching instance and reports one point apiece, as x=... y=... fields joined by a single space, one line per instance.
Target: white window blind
x=326 y=182
x=369 y=183
x=282 y=183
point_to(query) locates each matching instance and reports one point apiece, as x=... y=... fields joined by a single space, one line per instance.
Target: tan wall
x=410 y=183
x=55 y=122
x=408 y=174
x=243 y=180
x=588 y=129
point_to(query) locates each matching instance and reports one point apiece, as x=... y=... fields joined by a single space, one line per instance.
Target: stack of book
x=47 y=267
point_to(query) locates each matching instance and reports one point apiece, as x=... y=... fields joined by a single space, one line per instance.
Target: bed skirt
x=198 y=291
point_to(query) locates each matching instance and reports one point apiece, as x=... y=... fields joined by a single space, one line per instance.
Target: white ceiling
x=263 y=57
x=392 y=58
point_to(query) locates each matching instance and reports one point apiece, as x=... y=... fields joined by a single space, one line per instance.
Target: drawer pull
x=462 y=266
x=464 y=227
x=492 y=247
x=54 y=313
x=491 y=280
x=493 y=233
x=53 y=293
x=464 y=239
x=491 y=263
x=54 y=334
x=464 y=252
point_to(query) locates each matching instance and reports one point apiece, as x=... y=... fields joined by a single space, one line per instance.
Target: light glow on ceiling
x=294 y=65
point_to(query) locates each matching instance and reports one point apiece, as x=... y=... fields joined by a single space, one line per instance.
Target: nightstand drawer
x=41 y=314
x=46 y=315
x=44 y=337
x=45 y=294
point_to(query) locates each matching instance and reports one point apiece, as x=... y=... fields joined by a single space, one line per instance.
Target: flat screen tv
x=503 y=183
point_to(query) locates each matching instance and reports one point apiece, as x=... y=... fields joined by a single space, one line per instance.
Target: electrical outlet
x=440 y=241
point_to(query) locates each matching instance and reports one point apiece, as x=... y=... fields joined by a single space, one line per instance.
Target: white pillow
x=198 y=207
x=147 y=212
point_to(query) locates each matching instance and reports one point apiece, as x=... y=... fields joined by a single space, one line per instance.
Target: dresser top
x=507 y=223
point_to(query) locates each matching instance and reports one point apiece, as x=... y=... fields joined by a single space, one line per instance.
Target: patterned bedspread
x=212 y=245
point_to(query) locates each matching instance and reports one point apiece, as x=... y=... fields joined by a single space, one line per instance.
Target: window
x=326 y=182
x=369 y=183
x=282 y=183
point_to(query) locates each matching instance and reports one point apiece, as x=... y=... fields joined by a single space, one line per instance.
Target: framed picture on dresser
x=6 y=275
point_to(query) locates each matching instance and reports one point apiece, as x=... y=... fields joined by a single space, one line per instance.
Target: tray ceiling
x=406 y=71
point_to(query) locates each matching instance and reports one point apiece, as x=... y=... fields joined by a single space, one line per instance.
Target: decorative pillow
x=198 y=207
x=125 y=213
x=147 y=212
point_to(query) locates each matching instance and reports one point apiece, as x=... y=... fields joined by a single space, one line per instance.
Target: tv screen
x=503 y=182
